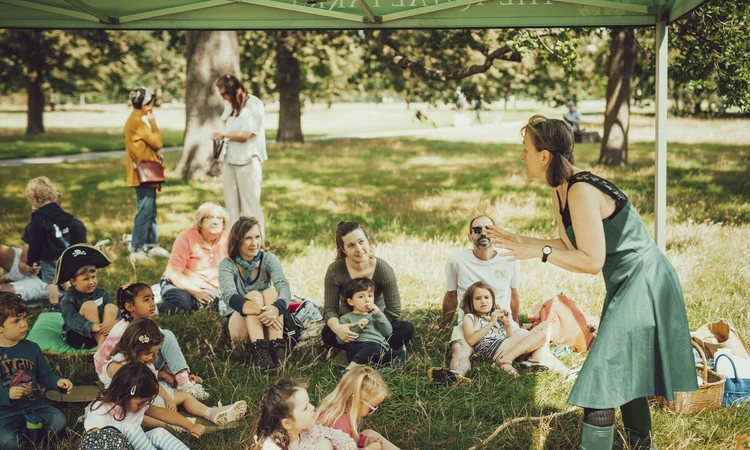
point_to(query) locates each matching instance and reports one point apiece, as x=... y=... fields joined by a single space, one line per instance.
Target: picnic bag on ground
x=571 y=325
x=736 y=389
x=720 y=334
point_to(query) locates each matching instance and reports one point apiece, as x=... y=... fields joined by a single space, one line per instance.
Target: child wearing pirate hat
x=88 y=310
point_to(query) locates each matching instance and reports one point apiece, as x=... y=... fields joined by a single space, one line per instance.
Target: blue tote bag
x=736 y=389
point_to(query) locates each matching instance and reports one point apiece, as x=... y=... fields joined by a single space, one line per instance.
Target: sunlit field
x=416 y=197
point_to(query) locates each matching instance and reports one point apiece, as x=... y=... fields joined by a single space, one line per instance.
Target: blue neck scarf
x=248 y=266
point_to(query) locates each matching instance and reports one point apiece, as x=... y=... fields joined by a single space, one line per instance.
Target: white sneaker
x=157 y=252
x=138 y=256
x=194 y=389
x=222 y=415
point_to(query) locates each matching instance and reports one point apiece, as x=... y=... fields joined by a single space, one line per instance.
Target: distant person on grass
x=49 y=233
x=642 y=347
x=573 y=117
x=21 y=279
x=143 y=141
x=245 y=135
x=191 y=280
x=355 y=260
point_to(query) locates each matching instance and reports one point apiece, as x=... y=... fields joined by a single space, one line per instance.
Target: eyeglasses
x=478 y=230
x=213 y=218
x=370 y=407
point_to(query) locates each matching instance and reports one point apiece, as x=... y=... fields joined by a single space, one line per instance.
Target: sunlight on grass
x=416 y=197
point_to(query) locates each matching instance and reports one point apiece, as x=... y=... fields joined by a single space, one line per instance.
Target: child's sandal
x=508 y=368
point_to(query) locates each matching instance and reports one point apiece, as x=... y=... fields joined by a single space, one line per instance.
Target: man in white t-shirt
x=464 y=268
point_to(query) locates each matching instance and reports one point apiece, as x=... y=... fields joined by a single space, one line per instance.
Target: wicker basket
x=706 y=398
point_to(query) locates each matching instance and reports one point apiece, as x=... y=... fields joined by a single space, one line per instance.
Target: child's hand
x=373 y=443
x=64 y=383
x=504 y=316
x=350 y=446
x=105 y=327
x=196 y=430
x=96 y=328
x=168 y=377
x=373 y=308
x=170 y=405
x=19 y=392
x=195 y=378
x=362 y=323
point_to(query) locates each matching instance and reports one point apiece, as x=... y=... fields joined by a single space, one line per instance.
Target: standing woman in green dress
x=643 y=344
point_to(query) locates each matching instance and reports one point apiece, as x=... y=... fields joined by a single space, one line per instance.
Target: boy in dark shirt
x=22 y=369
x=50 y=231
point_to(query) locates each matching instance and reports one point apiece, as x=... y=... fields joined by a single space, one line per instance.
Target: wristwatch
x=546 y=251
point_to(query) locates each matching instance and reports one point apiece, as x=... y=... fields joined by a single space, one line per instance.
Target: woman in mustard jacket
x=143 y=141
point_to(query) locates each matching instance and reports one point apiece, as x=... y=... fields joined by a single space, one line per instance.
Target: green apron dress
x=642 y=347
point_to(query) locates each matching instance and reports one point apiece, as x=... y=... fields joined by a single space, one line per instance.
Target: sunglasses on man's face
x=478 y=230
x=371 y=408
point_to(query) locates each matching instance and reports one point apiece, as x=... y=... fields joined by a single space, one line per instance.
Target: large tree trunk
x=614 y=150
x=288 y=84
x=209 y=54
x=35 y=89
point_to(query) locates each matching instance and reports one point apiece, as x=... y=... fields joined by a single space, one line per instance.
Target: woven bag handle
x=703 y=358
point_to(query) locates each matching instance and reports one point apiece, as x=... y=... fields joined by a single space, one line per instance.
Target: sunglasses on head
x=370 y=407
x=478 y=230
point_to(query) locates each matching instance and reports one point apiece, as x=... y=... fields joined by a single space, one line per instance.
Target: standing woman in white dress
x=245 y=138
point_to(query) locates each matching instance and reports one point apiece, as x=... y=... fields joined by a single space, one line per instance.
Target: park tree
x=209 y=55
x=622 y=58
x=41 y=61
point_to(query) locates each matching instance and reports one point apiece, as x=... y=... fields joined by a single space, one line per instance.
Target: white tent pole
x=660 y=208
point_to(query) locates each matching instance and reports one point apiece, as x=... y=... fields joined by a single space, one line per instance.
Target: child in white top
x=140 y=343
x=485 y=326
x=123 y=405
x=286 y=421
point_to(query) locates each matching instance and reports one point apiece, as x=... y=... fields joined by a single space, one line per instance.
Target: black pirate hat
x=75 y=257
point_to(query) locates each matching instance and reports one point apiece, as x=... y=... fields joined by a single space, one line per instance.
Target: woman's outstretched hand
x=512 y=244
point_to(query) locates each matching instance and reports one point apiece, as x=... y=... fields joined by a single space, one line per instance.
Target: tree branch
x=391 y=50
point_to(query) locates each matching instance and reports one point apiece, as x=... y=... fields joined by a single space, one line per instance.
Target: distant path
x=60 y=159
x=491 y=132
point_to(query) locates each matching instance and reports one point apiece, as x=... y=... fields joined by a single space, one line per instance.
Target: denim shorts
x=47 y=274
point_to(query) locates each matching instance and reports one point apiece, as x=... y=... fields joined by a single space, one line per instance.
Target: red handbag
x=151 y=172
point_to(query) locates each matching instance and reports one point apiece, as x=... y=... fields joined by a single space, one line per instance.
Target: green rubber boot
x=596 y=438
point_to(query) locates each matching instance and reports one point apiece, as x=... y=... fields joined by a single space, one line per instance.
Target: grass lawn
x=416 y=197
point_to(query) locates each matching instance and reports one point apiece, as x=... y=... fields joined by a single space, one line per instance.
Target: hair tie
x=132 y=390
x=143 y=339
x=125 y=287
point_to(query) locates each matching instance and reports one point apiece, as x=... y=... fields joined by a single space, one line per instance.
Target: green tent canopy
x=372 y=14
x=336 y=14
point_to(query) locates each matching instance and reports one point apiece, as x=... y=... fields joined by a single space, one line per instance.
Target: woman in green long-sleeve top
x=253 y=284
x=643 y=345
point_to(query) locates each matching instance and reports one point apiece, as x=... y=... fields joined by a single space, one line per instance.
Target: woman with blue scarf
x=253 y=285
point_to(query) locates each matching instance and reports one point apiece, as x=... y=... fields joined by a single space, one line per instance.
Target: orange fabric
x=571 y=326
x=196 y=260
x=141 y=144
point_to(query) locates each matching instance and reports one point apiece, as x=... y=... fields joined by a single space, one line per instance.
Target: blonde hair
x=347 y=397
x=41 y=190
x=209 y=209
